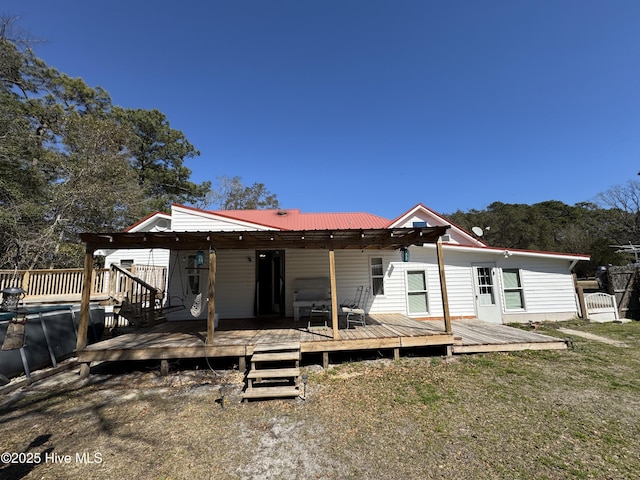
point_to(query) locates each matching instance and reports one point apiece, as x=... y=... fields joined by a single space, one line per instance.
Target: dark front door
x=270 y=283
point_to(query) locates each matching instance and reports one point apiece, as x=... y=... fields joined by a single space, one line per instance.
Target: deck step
x=271 y=392
x=275 y=356
x=270 y=347
x=274 y=373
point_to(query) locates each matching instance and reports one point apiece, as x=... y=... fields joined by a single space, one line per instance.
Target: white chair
x=356 y=314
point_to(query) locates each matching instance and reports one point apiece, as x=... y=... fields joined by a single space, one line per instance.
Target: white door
x=486 y=294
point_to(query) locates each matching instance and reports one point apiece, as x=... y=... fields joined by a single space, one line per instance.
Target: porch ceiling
x=387 y=239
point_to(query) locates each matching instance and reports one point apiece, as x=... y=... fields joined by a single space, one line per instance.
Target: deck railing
x=55 y=285
x=139 y=300
x=65 y=285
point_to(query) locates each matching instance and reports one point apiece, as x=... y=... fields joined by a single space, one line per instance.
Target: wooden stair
x=274 y=373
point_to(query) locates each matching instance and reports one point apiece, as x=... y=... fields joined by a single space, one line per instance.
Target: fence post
x=25 y=281
x=580 y=291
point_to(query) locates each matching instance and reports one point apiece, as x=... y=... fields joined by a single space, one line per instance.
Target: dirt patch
x=591 y=336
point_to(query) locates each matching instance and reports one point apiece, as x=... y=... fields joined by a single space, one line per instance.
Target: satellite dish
x=478 y=231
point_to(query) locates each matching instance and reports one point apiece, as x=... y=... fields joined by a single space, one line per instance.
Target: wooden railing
x=139 y=300
x=65 y=285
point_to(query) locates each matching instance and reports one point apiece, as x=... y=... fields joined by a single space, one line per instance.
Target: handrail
x=141 y=295
x=138 y=280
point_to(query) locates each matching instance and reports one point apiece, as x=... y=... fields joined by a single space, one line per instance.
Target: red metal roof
x=294 y=219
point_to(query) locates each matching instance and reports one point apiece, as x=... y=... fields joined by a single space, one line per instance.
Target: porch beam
x=334 y=294
x=211 y=304
x=443 y=287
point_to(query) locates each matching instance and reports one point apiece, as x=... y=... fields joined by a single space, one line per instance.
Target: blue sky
x=367 y=105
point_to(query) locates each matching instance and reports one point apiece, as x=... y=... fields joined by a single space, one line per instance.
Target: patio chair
x=356 y=315
x=356 y=299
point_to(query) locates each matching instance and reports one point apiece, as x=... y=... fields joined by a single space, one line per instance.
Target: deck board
x=186 y=339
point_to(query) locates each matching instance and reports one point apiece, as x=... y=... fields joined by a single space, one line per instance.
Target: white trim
x=520 y=289
x=424 y=271
x=439 y=220
x=149 y=221
x=508 y=252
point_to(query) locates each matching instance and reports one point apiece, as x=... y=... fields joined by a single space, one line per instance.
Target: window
x=126 y=264
x=193 y=274
x=417 y=299
x=485 y=286
x=513 y=294
x=377 y=276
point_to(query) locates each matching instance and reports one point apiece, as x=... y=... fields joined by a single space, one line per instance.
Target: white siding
x=547 y=282
x=157 y=258
x=235 y=285
x=548 y=287
x=184 y=220
x=549 y=292
x=302 y=263
x=393 y=299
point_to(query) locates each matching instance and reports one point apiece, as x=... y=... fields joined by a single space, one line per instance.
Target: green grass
x=528 y=415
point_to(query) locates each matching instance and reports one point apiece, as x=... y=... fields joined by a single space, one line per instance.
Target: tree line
x=72 y=161
x=592 y=228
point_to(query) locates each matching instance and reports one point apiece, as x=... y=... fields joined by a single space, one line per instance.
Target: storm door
x=486 y=293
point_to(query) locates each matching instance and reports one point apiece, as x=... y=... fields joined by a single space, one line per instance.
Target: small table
x=318 y=317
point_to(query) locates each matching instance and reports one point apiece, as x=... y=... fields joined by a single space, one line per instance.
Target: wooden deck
x=238 y=338
x=483 y=337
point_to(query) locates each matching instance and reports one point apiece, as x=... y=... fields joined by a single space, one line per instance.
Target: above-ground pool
x=41 y=335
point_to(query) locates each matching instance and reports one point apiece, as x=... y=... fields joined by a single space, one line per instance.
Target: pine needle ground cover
x=527 y=415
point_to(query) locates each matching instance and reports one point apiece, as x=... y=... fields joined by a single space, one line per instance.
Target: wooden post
x=152 y=306
x=25 y=282
x=580 y=291
x=211 y=304
x=83 y=326
x=443 y=287
x=334 y=295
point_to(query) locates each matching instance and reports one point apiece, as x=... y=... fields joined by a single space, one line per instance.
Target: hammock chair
x=196 y=307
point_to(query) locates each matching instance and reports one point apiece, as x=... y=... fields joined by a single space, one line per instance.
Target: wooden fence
x=624 y=283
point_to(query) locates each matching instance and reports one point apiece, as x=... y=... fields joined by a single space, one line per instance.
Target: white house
x=492 y=284
x=156 y=222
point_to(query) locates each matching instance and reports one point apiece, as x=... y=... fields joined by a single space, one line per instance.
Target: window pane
x=376 y=266
x=378 y=286
x=486 y=299
x=377 y=276
x=511 y=278
x=418 y=303
x=513 y=300
x=416 y=281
